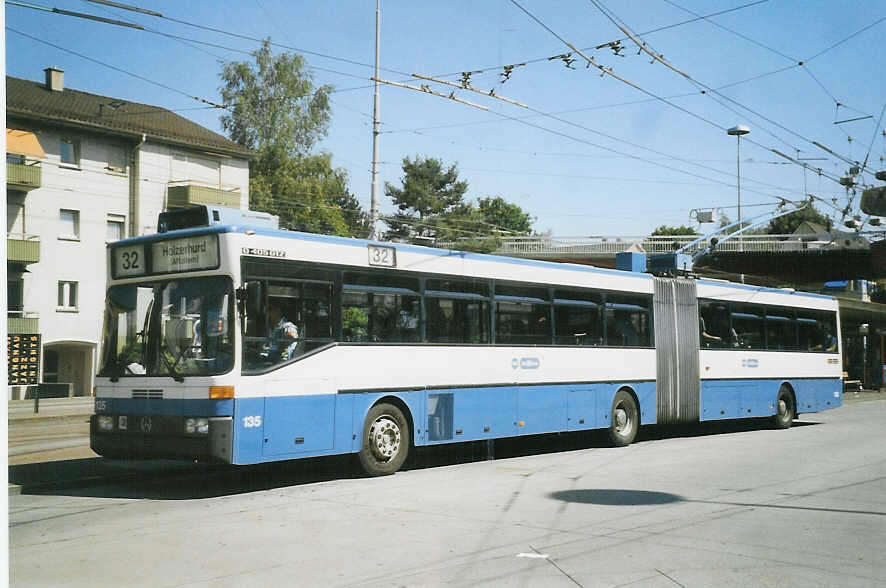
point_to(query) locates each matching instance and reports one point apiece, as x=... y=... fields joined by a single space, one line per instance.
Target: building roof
x=26 y=99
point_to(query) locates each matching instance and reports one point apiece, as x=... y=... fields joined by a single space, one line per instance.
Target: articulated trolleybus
x=226 y=339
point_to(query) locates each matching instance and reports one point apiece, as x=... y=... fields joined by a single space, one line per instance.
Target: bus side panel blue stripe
x=815 y=395
x=359 y=406
x=732 y=399
x=248 y=437
x=188 y=407
x=646 y=394
x=501 y=410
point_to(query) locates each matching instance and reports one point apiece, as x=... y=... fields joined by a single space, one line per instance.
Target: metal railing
x=22 y=248
x=22 y=322
x=24 y=174
x=603 y=246
x=188 y=192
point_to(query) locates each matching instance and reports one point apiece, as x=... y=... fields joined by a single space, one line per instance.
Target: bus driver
x=283 y=338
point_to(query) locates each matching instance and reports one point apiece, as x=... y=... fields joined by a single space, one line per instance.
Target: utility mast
x=373 y=207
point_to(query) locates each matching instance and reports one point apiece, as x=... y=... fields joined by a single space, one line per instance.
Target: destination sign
x=185 y=254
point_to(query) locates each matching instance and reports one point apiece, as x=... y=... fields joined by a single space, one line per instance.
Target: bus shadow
x=171 y=480
x=628 y=497
x=703 y=429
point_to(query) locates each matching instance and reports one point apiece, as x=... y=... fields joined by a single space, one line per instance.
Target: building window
x=69 y=151
x=116 y=159
x=70 y=224
x=115 y=230
x=67 y=295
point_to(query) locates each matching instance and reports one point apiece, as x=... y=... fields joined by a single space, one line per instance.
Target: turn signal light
x=221 y=391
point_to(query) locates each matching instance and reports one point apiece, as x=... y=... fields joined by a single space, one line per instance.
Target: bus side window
x=628 y=321
x=713 y=324
x=749 y=327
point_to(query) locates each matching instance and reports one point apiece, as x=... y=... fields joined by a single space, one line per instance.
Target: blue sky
x=592 y=155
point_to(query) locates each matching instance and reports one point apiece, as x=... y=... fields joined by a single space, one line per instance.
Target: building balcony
x=191 y=193
x=20 y=322
x=22 y=249
x=23 y=175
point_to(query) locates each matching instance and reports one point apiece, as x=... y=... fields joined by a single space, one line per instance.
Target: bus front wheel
x=385 y=440
x=784 y=409
x=625 y=419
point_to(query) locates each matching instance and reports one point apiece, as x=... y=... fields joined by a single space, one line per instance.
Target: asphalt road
x=733 y=504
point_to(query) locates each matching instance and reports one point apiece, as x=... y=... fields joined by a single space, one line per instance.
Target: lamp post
x=738 y=131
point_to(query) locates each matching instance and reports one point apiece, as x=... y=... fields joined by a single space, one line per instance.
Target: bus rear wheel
x=625 y=419
x=784 y=409
x=385 y=440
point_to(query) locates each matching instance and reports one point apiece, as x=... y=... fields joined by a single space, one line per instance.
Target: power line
x=649 y=32
x=794 y=60
x=118 y=69
x=838 y=43
x=275 y=44
x=643 y=47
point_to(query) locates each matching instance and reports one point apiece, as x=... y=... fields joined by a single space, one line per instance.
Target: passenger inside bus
x=713 y=325
x=625 y=332
x=826 y=340
x=707 y=339
x=283 y=336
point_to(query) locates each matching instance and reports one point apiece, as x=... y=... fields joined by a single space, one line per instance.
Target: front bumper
x=162 y=437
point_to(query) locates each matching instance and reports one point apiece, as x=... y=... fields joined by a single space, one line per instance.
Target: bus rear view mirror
x=254 y=299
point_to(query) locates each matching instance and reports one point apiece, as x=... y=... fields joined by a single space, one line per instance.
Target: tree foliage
x=668 y=230
x=431 y=208
x=276 y=111
x=428 y=191
x=274 y=108
x=309 y=195
x=785 y=225
x=505 y=215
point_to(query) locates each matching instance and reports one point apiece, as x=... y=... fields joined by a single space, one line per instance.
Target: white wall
x=159 y=165
x=95 y=192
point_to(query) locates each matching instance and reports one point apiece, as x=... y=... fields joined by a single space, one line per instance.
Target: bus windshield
x=175 y=328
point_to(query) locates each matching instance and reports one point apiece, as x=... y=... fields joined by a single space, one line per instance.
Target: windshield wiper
x=117 y=370
x=171 y=369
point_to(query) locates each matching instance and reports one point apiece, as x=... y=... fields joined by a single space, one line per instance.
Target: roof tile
x=28 y=99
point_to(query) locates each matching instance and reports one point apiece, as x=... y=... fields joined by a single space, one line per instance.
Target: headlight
x=197 y=426
x=105 y=423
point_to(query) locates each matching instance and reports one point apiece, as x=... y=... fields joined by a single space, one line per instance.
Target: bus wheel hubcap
x=621 y=420
x=782 y=407
x=384 y=438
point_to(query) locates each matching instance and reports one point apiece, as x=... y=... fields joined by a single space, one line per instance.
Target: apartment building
x=84 y=170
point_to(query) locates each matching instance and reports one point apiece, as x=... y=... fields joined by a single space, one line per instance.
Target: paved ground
x=733 y=504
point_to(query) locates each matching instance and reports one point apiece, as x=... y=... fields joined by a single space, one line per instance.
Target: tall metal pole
x=373 y=209
x=738 y=178
x=738 y=131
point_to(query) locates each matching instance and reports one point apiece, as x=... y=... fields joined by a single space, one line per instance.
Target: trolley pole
x=373 y=207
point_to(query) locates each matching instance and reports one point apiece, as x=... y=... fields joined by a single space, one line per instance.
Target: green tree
x=276 y=111
x=274 y=108
x=306 y=193
x=785 y=225
x=668 y=230
x=431 y=209
x=428 y=191
x=505 y=216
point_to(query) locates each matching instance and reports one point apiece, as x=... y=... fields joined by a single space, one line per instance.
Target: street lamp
x=738 y=131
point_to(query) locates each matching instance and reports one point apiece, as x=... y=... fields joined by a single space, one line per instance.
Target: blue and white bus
x=393 y=346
